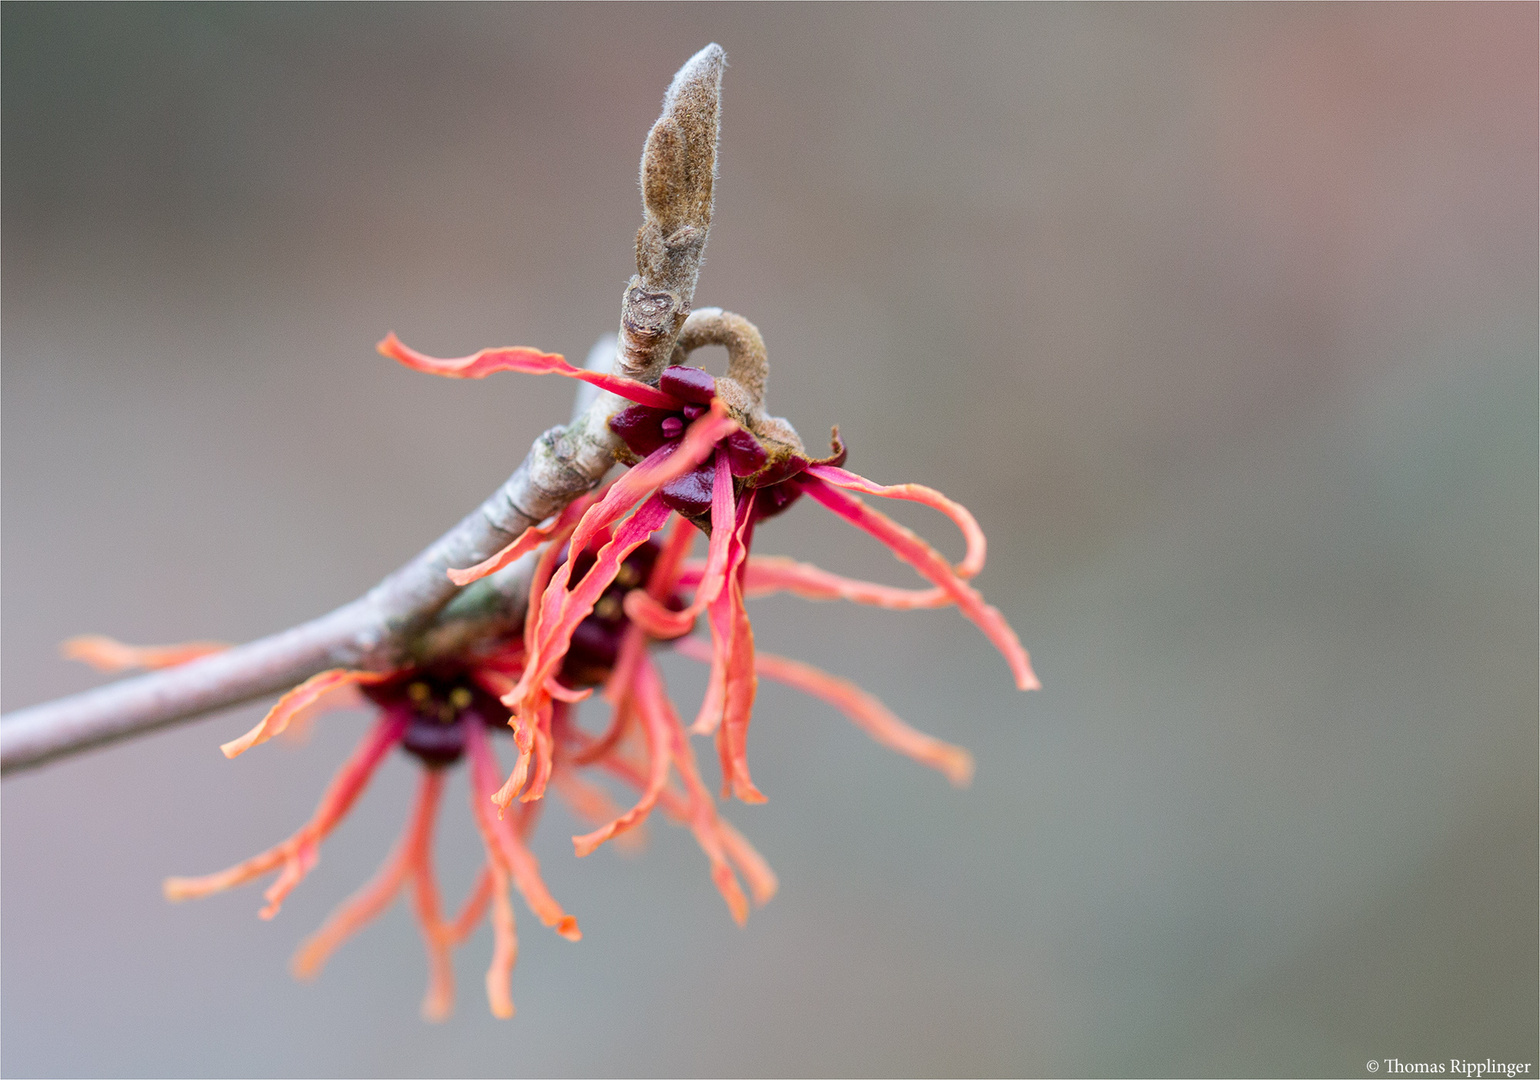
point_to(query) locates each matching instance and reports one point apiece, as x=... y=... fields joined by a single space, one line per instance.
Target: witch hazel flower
x=448 y=711
x=732 y=466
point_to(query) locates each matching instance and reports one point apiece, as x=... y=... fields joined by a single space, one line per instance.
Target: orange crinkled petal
x=108 y=654
x=719 y=840
x=696 y=808
x=756 y=871
x=473 y=909
x=375 y=896
x=931 y=565
x=345 y=696
x=545 y=569
x=593 y=804
x=504 y=846
x=621 y=715
x=706 y=826
x=539 y=680
x=302 y=696
x=567 y=695
x=545 y=749
x=530 y=362
x=658 y=717
x=551 y=622
x=672 y=800
x=505 y=947
x=527 y=541
x=870 y=715
x=438 y=1002
x=509 y=690
x=299 y=853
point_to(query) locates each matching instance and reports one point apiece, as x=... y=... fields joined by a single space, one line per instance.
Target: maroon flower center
x=645 y=428
x=437 y=704
x=596 y=641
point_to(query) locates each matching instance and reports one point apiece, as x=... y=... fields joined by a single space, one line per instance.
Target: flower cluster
x=613 y=579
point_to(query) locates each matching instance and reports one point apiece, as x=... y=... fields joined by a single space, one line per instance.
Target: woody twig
x=417 y=613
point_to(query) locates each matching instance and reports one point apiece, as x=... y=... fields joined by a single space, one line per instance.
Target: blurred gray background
x=1222 y=320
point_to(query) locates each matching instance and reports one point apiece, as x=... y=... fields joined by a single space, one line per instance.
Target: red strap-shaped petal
x=530 y=362
x=659 y=467
x=633 y=644
x=931 y=565
x=579 y=603
x=659 y=621
x=768 y=574
x=739 y=683
x=973 y=557
x=665 y=569
x=724 y=526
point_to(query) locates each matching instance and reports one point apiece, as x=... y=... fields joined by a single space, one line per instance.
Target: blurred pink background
x=1221 y=319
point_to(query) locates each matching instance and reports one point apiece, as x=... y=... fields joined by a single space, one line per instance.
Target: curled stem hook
x=747 y=362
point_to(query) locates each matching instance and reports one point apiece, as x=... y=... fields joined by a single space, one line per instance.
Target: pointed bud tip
x=704 y=66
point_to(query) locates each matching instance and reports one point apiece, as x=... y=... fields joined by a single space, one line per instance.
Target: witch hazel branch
x=559 y=588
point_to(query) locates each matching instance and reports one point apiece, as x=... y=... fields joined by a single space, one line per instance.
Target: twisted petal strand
x=527 y=541
x=973 y=558
x=298 y=854
x=657 y=718
x=301 y=697
x=932 y=566
x=504 y=845
x=376 y=895
x=108 y=654
x=768 y=574
x=505 y=947
x=529 y=361
x=870 y=715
